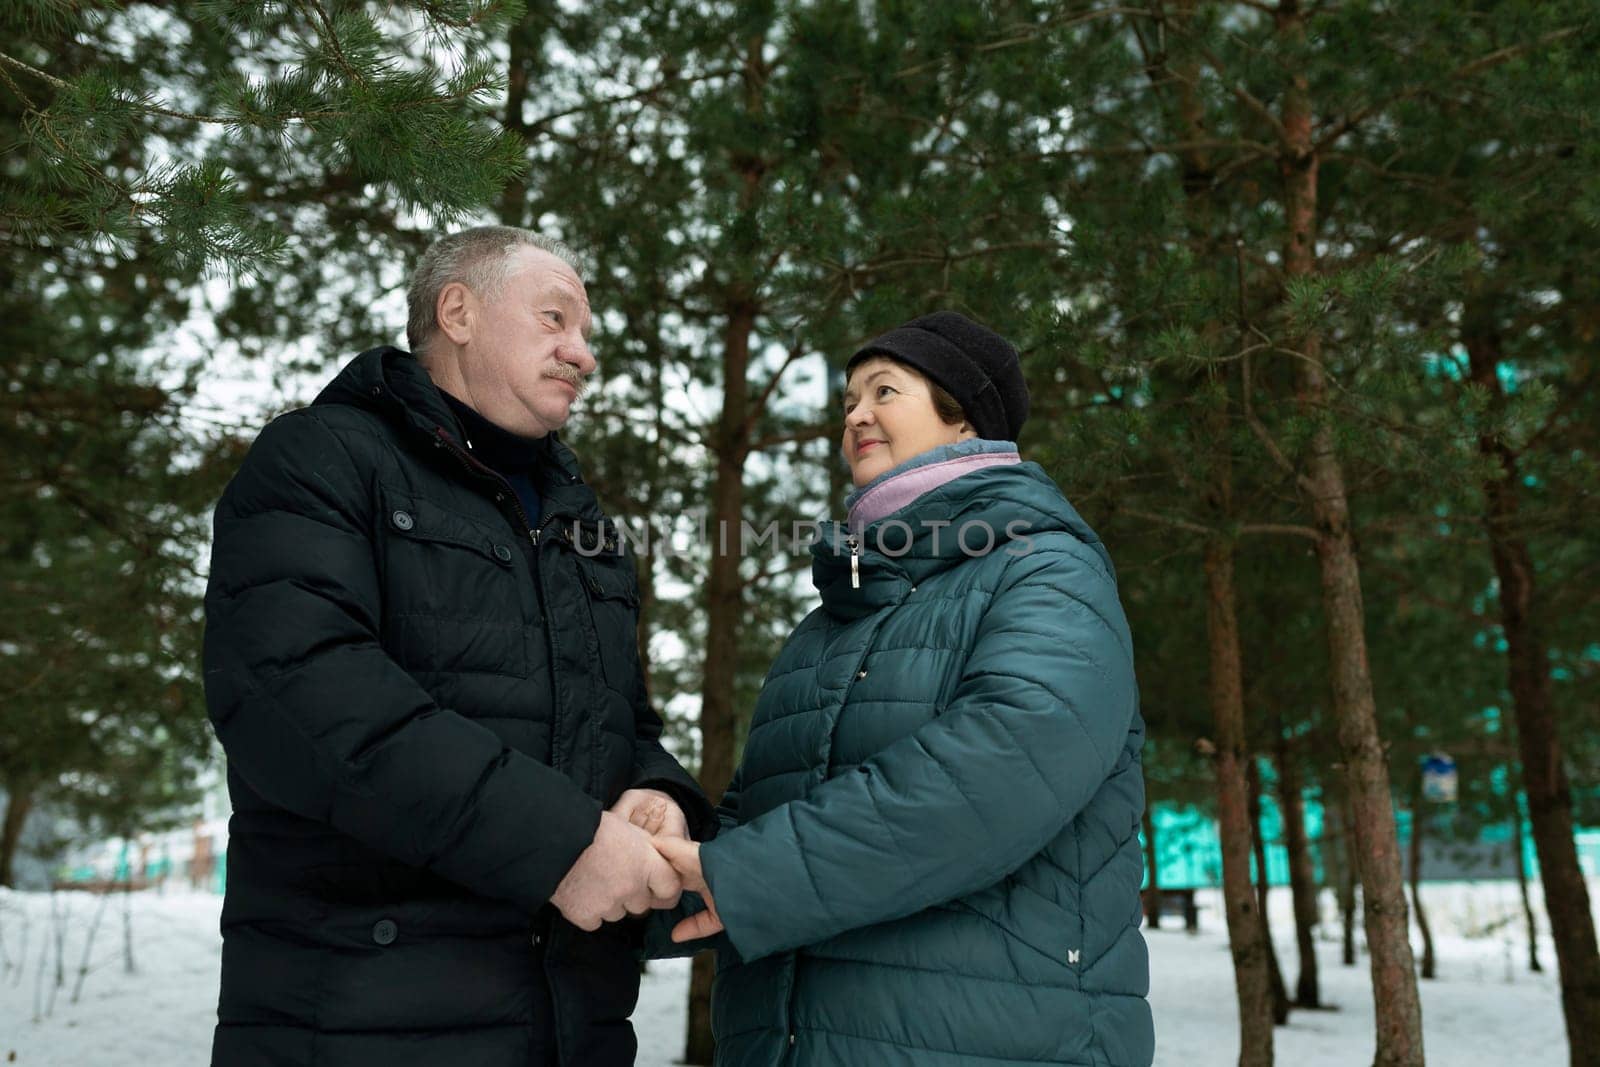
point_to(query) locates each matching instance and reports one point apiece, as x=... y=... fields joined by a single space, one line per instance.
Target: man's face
x=526 y=354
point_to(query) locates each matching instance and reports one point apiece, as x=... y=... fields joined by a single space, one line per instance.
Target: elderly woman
x=930 y=853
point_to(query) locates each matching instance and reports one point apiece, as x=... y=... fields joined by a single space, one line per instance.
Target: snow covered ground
x=1484 y=1008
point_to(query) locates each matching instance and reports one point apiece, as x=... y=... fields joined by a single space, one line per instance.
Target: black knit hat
x=972 y=363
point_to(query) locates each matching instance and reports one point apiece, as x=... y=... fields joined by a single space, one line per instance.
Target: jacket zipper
x=504 y=495
x=790 y=1052
x=478 y=469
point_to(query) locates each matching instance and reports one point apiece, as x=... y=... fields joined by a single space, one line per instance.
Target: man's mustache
x=569 y=374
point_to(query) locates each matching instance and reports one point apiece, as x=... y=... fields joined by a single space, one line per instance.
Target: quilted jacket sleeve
x=317 y=718
x=1036 y=725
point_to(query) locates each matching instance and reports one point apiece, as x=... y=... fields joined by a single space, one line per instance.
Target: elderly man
x=421 y=660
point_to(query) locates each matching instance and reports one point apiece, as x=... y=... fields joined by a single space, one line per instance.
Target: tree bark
x=1544 y=776
x=1302 y=876
x=1280 y=992
x=523 y=53
x=1417 y=824
x=719 y=719
x=724 y=610
x=1519 y=843
x=1247 y=935
x=19 y=802
x=1397 y=1006
x=1342 y=873
x=1152 y=899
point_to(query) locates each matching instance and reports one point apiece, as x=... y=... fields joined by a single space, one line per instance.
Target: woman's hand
x=684 y=855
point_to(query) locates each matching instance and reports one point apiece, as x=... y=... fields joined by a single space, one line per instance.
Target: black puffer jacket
x=424 y=713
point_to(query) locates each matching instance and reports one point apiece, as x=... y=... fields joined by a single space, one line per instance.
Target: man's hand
x=652 y=811
x=685 y=859
x=618 y=874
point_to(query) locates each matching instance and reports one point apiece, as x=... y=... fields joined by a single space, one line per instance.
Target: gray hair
x=480 y=258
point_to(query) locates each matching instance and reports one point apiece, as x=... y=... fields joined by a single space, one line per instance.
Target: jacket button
x=377 y=390
x=402 y=520
x=502 y=553
x=861 y=673
x=537 y=940
x=384 y=931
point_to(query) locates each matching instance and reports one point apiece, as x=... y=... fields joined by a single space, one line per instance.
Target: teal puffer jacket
x=930 y=852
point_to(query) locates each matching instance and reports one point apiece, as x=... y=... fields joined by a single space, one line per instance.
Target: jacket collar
x=391 y=383
x=902 y=484
x=495 y=446
x=999 y=508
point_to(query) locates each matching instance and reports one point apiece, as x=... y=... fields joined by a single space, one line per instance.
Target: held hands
x=654 y=812
x=684 y=855
x=618 y=874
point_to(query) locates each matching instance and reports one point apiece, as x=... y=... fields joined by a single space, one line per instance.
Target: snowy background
x=1484 y=1008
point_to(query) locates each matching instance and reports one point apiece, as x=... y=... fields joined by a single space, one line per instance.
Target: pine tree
x=146 y=148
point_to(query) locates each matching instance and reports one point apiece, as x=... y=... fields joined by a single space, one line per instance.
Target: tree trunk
x=19 y=802
x=1247 y=936
x=1342 y=873
x=1152 y=899
x=651 y=503
x=1302 y=876
x=1544 y=776
x=1417 y=823
x=1280 y=992
x=523 y=54
x=1397 y=1006
x=127 y=927
x=724 y=612
x=724 y=586
x=1519 y=842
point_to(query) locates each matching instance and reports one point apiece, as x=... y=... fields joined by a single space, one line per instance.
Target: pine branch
x=1167 y=520
x=809 y=433
x=1251 y=102
x=1412 y=587
x=759 y=407
x=17 y=64
x=152 y=108
x=1247 y=386
x=795 y=562
x=1289 y=529
x=1575 y=393
x=1032 y=33
x=640 y=94
x=1466 y=70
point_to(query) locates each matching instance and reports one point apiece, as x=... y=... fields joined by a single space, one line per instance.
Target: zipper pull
x=855 y=563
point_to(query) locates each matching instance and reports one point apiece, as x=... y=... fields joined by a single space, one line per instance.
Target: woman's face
x=889 y=418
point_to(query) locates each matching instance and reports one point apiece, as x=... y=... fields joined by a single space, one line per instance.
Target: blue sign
x=1439 y=778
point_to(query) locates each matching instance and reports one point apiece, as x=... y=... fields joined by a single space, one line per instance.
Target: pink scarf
x=892 y=491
